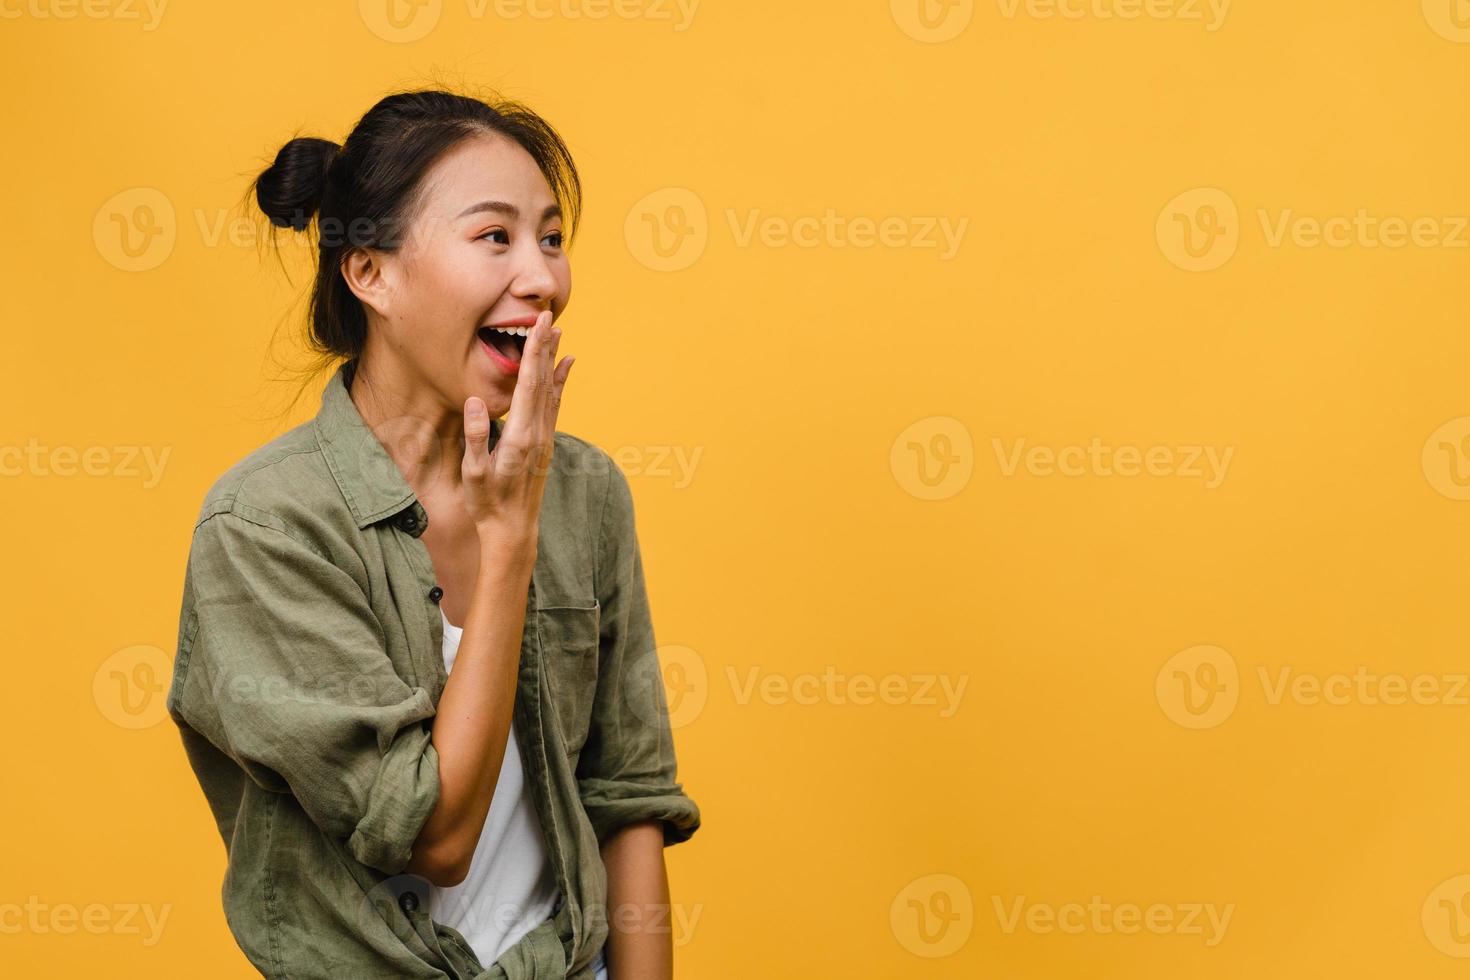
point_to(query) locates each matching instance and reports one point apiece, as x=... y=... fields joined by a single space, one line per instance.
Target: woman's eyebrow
x=507 y=209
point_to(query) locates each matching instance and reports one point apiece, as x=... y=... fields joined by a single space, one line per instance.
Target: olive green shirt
x=308 y=671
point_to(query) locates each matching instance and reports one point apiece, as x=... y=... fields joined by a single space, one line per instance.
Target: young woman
x=416 y=674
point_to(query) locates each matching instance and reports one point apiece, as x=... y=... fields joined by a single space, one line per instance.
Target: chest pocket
x=569 y=643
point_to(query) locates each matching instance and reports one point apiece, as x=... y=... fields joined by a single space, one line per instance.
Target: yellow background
x=823 y=388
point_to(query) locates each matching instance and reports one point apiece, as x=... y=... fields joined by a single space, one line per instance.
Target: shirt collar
x=370 y=481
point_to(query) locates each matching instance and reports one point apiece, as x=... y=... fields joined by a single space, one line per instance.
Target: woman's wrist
x=503 y=544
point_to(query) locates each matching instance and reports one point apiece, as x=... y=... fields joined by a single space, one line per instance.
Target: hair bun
x=290 y=189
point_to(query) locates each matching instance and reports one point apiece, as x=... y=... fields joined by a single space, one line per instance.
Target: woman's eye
x=501 y=237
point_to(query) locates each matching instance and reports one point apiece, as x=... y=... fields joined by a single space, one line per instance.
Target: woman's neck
x=423 y=437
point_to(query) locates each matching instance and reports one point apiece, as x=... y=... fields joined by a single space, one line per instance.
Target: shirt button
x=435 y=594
x=409 y=902
x=409 y=521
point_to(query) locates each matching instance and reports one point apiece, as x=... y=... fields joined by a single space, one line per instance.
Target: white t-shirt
x=511 y=886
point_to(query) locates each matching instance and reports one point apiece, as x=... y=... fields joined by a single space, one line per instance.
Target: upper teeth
x=518 y=331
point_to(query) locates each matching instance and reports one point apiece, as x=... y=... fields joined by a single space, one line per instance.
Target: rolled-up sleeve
x=290 y=678
x=627 y=771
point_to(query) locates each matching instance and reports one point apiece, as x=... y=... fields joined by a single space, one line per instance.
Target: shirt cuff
x=611 y=804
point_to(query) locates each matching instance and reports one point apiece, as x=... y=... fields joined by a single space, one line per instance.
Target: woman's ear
x=363 y=270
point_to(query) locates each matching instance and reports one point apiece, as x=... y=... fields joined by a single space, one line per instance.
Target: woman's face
x=485 y=248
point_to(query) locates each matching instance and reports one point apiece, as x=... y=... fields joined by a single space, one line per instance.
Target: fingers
x=532 y=399
x=546 y=357
x=476 y=433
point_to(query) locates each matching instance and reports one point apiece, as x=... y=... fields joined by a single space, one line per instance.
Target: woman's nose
x=534 y=277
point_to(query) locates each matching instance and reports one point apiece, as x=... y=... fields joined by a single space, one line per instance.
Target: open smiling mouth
x=509 y=342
